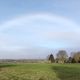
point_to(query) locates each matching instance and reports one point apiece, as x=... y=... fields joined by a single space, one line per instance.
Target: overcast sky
x=35 y=28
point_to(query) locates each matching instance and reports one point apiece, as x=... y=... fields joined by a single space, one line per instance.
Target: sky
x=35 y=28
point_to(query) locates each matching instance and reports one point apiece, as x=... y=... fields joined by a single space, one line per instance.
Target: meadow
x=39 y=71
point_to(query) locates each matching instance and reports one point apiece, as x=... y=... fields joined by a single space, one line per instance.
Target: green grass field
x=36 y=71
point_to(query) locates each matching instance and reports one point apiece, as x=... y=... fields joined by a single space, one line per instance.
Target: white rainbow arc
x=44 y=16
x=50 y=36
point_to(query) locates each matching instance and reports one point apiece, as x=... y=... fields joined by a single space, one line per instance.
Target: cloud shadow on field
x=7 y=65
x=66 y=72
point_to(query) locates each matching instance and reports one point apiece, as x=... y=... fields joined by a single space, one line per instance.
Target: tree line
x=62 y=57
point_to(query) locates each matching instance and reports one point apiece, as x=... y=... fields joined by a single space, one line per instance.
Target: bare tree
x=62 y=56
x=76 y=57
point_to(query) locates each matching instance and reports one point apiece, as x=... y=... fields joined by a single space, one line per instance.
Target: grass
x=37 y=71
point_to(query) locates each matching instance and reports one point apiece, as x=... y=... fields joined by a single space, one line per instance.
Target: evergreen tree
x=51 y=58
